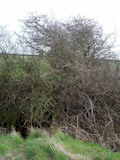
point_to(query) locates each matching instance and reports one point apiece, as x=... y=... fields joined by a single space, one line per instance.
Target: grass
x=91 y=150
x=11 y=146
x=39 y=146
x=35 y=147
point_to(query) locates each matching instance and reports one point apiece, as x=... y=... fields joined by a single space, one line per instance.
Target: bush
x=62 y=86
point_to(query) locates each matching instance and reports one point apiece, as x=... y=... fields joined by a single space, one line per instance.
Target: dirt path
x=72 y=156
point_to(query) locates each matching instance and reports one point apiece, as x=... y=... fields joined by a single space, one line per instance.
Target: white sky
x=106 y=12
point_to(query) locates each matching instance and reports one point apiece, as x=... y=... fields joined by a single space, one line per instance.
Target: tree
x=7 y=45
x=79 y=36
x=87 y=38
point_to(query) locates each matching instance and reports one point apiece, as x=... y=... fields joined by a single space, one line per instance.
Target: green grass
x=35 y=147
x=11 y=146
x=90 y=150
x=39 y=146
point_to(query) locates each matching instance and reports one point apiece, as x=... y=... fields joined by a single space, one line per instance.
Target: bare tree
x=7 y=41
x=79 y=35
x=87 y=38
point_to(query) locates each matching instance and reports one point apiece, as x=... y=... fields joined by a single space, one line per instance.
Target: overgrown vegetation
x=70 y=84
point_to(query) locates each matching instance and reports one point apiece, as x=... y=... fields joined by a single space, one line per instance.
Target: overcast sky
x=106 y=12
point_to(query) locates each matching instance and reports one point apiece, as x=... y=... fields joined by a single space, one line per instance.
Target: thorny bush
x=69 y=83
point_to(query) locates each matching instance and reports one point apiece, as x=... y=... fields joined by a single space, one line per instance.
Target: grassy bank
x=39 y=146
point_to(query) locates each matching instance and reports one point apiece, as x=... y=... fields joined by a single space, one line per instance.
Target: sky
x=106 y=12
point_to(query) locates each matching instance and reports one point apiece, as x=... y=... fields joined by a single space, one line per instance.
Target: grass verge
x=39 y=146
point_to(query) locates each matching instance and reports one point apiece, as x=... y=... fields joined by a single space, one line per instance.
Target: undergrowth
x=80 y=95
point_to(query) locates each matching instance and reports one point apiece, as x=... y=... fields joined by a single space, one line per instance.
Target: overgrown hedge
x=81 y=98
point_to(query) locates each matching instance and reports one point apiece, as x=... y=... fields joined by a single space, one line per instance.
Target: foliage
x=25 y=88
